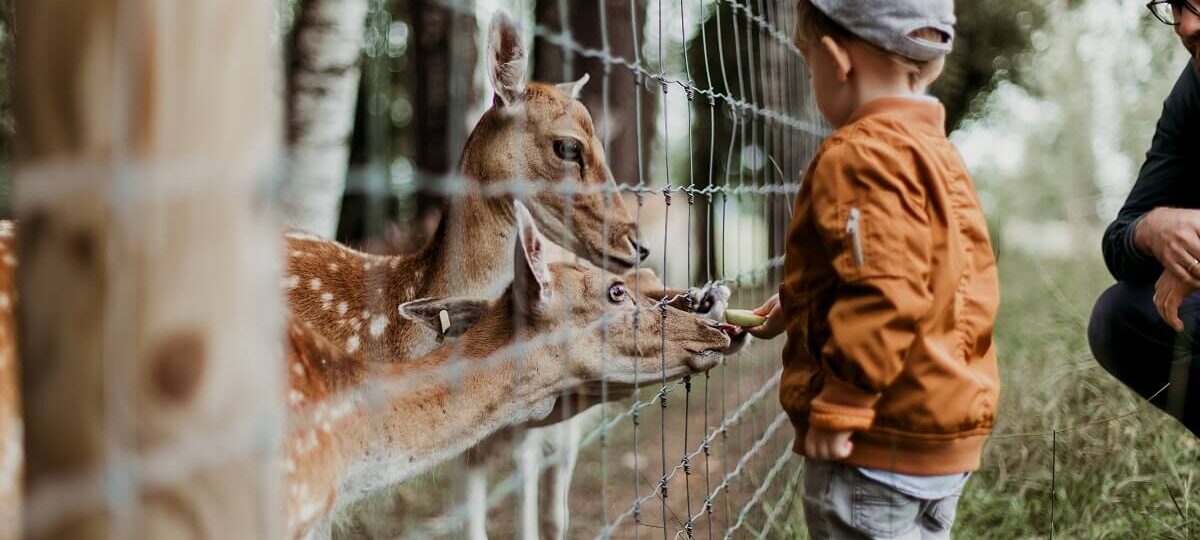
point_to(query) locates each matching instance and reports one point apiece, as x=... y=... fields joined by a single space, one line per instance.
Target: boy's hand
x=774 y=324
x=827 y=445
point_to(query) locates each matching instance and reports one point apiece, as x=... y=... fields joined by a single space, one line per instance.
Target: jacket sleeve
x=1163 y=180
x=874 y=223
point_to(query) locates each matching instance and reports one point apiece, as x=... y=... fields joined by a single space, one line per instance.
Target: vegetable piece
x=744 y=318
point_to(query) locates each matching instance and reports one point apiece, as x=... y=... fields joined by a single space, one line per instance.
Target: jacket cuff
x=843 y=407
x=1131 y=248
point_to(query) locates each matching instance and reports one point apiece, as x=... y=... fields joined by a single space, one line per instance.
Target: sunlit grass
x=1133 y=477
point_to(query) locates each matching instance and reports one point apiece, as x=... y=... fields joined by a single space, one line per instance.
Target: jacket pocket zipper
x=852 y=229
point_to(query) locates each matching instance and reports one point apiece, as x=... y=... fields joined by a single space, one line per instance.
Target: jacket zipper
x=852 y=229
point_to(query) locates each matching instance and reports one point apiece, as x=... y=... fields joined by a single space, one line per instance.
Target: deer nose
x=642 y=252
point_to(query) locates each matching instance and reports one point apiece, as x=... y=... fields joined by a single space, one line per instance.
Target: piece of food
x=744 y=318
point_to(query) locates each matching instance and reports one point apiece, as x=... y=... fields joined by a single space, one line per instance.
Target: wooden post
x=148 y=310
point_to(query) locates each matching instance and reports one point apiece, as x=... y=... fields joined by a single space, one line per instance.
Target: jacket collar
x=924 y=113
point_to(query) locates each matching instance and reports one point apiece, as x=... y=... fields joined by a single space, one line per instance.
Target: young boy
x=890 y=288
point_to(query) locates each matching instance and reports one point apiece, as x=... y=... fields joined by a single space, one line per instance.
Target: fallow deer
x=511 y=374
x=516 y=359
x=544 y=509
x=535 y=135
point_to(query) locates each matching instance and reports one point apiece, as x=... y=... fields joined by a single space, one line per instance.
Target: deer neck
x=353 y=298
x=472 y=251
x=429 y=419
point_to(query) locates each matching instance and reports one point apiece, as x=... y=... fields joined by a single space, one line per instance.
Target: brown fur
x=431 y=418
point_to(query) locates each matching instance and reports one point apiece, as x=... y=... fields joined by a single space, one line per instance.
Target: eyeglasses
x=1169 y=12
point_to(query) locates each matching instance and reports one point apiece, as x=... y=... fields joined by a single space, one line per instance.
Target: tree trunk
x=621 y=127
x=444 y=55
x=323 y=76
x=148 y=305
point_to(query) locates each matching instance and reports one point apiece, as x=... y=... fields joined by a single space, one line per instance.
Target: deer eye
x=568 y=150
x=617 y=293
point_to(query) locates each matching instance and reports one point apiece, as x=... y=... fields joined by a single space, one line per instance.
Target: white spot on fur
x=352 y=344
x=410 y=292
x=295 y=397
x=292 y=282
x=378 y=324
x=298 y=368
x=356 y=324
x=5 y=302
x=333 y=267
x=314 y=284
x=365 y=315
x=326 y=300
x=342 y=308
x=297 y=253
x=10 y=260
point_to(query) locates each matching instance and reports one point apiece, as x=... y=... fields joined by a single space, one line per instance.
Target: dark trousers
x=1131 y=341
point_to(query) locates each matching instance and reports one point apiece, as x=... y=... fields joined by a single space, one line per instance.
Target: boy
x=890 y=288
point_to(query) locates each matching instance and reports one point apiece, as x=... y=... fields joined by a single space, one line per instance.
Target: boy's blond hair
x=812 y=24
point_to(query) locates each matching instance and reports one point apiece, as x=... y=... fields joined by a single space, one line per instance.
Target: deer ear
x=531 y=277
x=574 y=89
x=460 y=313
x=505 y=59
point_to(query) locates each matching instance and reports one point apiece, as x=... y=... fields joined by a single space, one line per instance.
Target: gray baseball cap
x=890 y=23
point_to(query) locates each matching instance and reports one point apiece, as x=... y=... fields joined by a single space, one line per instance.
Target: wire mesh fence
x=715 y=96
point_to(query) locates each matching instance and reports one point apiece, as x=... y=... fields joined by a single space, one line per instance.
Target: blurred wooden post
x=149 y=317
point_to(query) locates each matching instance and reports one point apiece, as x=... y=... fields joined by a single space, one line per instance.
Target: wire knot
x=666 y=191
x=662 y=487
x=690 y=90
x=687 y=466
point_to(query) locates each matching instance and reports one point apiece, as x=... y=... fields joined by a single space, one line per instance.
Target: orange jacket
x=890 y=293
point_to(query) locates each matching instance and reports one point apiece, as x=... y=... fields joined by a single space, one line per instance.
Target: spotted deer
x=358 y=426
x=557 y=327
x=534 y=136
x=544 y=512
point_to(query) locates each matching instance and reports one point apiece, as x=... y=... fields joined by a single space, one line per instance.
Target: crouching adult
x=1145 y=330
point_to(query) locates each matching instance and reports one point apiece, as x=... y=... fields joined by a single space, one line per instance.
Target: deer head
x=543 y=134
x=618 y=335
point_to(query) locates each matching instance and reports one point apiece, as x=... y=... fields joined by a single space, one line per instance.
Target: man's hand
x=1169 y=293
x=774 y=325
x=827 y=445
x=1172 y=235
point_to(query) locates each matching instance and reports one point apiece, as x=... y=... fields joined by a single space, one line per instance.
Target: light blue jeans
x=840 y=503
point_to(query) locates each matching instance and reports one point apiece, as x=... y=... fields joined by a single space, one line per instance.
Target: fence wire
x=712 y=429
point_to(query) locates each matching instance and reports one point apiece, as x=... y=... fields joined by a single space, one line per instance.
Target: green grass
x=1135 y=476
x=1131 y=477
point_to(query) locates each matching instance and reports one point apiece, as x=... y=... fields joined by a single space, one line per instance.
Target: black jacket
x=1170 y=177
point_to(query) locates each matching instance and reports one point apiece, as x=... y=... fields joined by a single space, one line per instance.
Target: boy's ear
x=841 y=58
x=461 y=313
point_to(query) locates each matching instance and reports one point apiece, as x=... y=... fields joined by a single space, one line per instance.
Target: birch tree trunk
x=323 y=77
x=148 y=303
